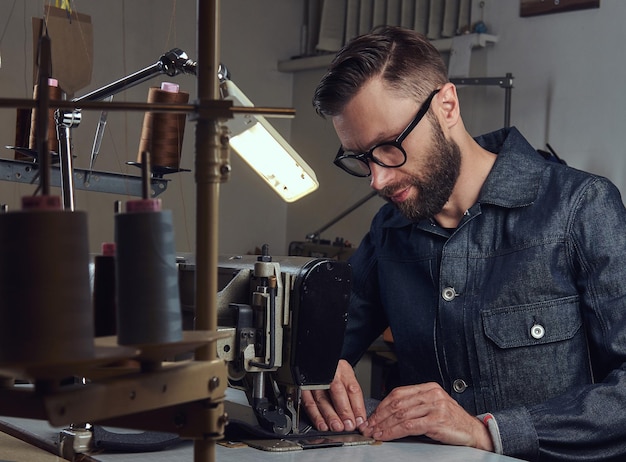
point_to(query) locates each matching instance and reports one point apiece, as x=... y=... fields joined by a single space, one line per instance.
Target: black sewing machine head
x=287 y=318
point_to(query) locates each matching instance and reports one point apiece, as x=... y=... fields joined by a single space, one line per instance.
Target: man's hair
x=405 y=59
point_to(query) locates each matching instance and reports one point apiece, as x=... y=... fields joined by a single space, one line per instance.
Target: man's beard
x=435 y=185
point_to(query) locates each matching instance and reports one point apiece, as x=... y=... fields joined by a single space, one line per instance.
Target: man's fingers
x=407 y=397
x=347 y=397
x=400 y=405
x=357 y=404
x=339 y=408
x=342 y=408
x=321 y=410
x=311 y=407
x=426 y=410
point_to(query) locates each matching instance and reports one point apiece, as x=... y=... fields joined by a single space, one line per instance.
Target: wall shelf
x=322 y=61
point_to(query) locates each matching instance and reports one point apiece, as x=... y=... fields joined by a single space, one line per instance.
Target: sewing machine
x=286 y=318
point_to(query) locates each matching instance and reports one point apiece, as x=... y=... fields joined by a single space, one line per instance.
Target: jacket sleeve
x=587 y=423
x=366 y=318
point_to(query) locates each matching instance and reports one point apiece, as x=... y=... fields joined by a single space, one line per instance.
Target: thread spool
x=55 y=93
x=162 y=132
x=104 y=292
x=22 y=132
x=148 y=303
x=45 y=315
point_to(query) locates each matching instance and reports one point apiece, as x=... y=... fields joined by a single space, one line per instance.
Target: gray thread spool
x=45 y=314
x=148 y=302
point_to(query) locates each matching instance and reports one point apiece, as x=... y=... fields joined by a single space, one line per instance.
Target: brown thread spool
x=55 y=94
x=162 y=132
x=22 y=132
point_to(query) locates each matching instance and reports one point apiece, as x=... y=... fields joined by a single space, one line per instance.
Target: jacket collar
x=516 y=175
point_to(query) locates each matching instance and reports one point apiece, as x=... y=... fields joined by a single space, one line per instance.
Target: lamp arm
x=172 y=63
x=316 y=234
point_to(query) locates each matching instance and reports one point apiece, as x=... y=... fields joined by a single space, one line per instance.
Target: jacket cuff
x=517 y=434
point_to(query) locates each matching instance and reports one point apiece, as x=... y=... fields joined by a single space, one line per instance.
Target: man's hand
x=339 y=408
x=426 y=409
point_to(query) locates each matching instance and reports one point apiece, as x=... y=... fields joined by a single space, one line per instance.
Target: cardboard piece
x=71 y=38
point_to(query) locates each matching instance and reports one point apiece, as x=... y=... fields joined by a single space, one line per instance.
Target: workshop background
x=567 y=68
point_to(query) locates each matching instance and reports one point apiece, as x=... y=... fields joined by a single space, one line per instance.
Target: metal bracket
x=88 y=180
x=505 y=82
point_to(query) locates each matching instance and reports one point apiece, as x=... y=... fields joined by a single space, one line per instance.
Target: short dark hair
x=405 y=59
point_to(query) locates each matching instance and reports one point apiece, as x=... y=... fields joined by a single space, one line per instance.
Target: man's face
x=421 y=187
x=428 y=190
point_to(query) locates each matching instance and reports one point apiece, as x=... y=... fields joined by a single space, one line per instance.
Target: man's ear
x=449 y=108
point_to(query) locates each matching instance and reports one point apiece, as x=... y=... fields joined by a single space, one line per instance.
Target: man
x=500 y=274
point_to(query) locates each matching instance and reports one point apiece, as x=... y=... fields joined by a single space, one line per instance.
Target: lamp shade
x=258 y=143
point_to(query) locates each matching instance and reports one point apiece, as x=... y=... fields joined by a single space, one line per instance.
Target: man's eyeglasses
x=388 y=154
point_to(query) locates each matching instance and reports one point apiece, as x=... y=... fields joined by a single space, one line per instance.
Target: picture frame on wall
x=537 y=7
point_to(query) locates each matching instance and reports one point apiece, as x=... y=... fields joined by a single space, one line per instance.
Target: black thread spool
x=104 y=292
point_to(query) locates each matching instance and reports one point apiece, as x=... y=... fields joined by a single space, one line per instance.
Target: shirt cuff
x=492 y=426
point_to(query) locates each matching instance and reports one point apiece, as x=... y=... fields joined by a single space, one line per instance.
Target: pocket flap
x=533 y=324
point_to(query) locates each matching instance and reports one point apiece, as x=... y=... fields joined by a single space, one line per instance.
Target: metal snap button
x=459 y=385
x=448 y=294
x=537 y=331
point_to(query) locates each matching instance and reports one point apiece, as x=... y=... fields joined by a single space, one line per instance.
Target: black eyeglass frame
x=397 y=143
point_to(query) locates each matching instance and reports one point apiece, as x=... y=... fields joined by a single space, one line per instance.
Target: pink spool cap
x=170 y=87
x=144 y=205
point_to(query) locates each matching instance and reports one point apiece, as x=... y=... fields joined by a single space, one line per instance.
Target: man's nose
x=380 y=177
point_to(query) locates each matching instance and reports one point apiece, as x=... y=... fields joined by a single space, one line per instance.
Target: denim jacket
x=519 y=312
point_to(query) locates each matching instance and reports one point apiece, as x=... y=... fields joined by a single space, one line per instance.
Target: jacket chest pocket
x=535 y=351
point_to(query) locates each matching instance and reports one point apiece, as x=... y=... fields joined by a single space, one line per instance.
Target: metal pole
x=207 y=171
x=507 y=100
x=315 y=235
x=208 y=178
x=66 y=166
x=43 y=101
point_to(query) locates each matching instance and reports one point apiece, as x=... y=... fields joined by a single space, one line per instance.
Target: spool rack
x=183 y=397
x=20 y=171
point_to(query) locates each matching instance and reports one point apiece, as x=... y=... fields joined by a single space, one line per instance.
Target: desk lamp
x=265 y=150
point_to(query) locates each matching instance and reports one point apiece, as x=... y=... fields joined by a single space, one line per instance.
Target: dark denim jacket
x=520 y=311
